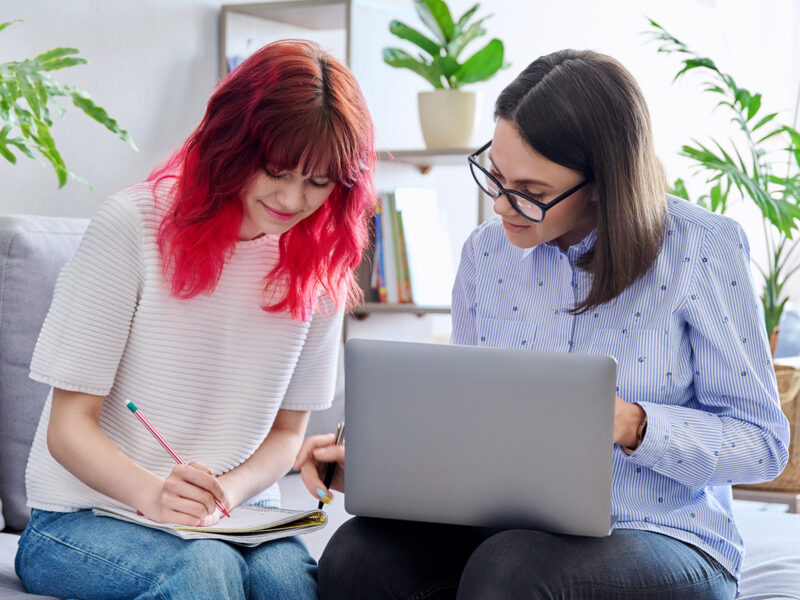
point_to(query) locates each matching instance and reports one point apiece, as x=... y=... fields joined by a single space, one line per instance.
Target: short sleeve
x=94 y=300
x=313 y=382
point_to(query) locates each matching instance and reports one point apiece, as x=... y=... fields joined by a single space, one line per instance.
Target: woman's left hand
x=627 y=418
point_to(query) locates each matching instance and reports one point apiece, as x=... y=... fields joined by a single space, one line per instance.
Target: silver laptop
x=479 y=436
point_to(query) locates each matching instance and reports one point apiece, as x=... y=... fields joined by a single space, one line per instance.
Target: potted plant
x=29 y=80
x=766 y=174
x=760 y=165
x=447 y=113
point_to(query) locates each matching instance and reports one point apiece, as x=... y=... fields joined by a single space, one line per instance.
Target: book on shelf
x=388 y=262
x=247 y=525
x=367 y=271
x=409 y=260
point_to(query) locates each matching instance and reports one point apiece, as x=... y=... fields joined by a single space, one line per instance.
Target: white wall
x=153 y=66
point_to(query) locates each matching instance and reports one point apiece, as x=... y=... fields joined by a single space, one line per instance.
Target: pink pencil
x=135 y=410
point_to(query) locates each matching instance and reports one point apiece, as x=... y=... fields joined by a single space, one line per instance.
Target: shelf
x=378 y=307
x=790 y=498
x=307 y=14
x=424 y=160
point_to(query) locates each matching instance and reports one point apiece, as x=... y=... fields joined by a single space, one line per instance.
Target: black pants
x=380 y=559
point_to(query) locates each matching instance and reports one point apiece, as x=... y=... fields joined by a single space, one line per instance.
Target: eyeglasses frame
x=509 y=193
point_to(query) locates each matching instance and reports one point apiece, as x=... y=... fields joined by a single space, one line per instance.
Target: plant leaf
x=753 y=106
x=483 y=64
x=679 y=190
x=395 y=57
x=436 y=17
x=462 y=21
x=764 y=121
x=461 y=41
x=47 y=147
x=82 y=101
x=28 y=93
x=7 y=23
x=405 y=32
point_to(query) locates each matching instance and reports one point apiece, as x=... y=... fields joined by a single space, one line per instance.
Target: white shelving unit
x=294 y=18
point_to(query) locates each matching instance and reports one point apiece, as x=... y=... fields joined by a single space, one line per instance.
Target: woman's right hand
x=316 y=453
x=187 y=497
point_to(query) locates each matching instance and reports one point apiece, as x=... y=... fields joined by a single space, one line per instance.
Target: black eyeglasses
x=528 y=207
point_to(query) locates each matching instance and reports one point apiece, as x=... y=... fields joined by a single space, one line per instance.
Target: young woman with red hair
x=212 y=296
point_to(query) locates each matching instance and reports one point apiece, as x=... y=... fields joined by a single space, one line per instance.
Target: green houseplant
x=26 y=127
x=759 y=163
x=447 y=114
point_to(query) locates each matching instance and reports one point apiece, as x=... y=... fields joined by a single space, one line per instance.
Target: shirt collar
x=576 y=249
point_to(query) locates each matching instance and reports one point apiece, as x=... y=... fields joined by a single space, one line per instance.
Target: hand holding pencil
x=314 y=461
x=191 y=487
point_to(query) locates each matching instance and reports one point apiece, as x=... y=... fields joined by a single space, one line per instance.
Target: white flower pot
x=448 y=117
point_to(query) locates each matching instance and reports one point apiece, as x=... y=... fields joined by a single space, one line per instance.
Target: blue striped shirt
x=691 y=349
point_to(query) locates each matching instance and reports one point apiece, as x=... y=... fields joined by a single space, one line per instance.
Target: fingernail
x=323 y=496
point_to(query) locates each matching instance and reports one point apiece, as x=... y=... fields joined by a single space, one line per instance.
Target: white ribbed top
x=210 y=373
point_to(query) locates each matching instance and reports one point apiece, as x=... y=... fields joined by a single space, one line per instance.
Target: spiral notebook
x=247 y=525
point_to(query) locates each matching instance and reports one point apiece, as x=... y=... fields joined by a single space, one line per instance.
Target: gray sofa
x=32 y=252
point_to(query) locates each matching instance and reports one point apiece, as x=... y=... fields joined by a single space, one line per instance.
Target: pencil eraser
x=131 y=405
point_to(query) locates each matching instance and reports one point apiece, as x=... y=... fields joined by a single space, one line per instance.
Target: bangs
x=312 y=142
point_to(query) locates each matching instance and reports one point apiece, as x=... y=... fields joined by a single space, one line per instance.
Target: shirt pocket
x=500 y=333
x=643 y=361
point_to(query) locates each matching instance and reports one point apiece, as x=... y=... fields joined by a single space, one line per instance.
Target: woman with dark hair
x=211 y=295
x=591 y=254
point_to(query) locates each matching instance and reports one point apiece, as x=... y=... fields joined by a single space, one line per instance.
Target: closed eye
x=319 y=184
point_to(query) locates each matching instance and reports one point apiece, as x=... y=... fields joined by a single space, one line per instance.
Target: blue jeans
x=376 y=558
x=79 y=555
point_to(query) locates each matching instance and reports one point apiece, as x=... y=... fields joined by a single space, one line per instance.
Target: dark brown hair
x=584 y=111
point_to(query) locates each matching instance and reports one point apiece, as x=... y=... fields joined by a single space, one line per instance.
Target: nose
x=502 y=206
x=290 y=196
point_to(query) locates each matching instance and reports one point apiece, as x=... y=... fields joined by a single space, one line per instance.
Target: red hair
x=288 y=104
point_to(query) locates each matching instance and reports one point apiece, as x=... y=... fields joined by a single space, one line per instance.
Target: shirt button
x=486 y=254
x=514 y=309
x=483 y=338
x=660 y=499
x=663 y=287
x=524 y=342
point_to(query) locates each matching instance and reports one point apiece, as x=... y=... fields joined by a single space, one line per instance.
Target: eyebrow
x=522 y=181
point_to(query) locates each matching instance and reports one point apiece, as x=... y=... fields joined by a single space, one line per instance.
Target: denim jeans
x=376 y=558
x=79 y=555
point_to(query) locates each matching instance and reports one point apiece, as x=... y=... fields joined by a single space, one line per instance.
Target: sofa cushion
x=32 y=251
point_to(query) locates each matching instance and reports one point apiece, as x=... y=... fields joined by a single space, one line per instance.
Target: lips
x=514 y=228
x=277 y=214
